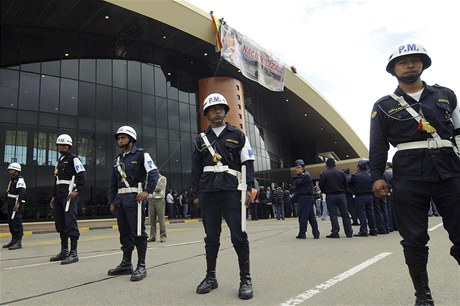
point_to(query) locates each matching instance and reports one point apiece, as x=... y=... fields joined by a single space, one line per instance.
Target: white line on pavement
x=435 y=227
x=331 y=282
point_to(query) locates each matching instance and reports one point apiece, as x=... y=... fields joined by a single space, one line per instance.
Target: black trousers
x=214 y=206
x=127 y=222
x=411 y=202
x=15 y=225
x=66 y=222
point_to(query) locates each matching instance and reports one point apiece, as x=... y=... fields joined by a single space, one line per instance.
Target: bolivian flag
x=217 y=23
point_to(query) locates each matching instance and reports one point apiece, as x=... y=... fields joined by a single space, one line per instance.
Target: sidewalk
x=32 y=228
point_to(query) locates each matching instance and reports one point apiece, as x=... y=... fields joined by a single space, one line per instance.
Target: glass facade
x=89 y=99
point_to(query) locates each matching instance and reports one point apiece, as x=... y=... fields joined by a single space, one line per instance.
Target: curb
x=91 y=228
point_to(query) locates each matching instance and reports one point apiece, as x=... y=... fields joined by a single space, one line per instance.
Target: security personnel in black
x=134 y=177
x=16 y=201
x=69 y=176
x=219 y=154
x=333 y=183
x=361 y=187
x=302 y=184
x=423 y=123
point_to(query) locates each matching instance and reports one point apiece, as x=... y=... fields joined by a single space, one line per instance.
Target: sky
x=341 y=47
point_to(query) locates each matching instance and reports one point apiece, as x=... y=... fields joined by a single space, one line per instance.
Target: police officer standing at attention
x=16 y=200
x=423 y=123
x=69 y=181
x=134 y=177
x=333 y=183
x=303 y=188
x=219 y=154
x=361 y=187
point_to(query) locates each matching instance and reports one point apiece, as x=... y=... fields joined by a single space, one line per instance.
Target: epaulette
x=140 y=149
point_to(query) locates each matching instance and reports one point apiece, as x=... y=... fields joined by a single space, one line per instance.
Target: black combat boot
x=125 y=267
x=419 y=277
x=62 y=255
x=64 y=249
x=210 y=281
x=245 y=292
x=72 y=258
x=13 y=240
x=140 y=273
x=16 y=245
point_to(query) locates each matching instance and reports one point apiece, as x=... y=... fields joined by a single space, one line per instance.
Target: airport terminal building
x=87 y=67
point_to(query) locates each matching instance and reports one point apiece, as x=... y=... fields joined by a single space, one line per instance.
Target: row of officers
x=221 y=152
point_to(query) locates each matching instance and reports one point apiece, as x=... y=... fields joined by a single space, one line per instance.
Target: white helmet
x=64 y=139
x=215 y=99
x=15 y=166
x=407 y=49
x=128 y=131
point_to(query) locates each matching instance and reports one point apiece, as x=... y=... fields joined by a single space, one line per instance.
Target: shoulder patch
x=374 y=114
x=232 y=141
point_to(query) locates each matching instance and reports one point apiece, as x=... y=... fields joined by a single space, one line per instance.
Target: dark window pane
x=103 y=102
x=86 y=99
x=120 y=73
x=173 y=114
x=172 y=92
x=134 y=76
x=134 y=107
x=66 y=121
x=183 y=96
x=29 y=91
x=104 y=72
x=120 y=105
x=51 y=68
x=69 y=69
x=161 y=113
x=8 y=115
x=147 y=79
x=9 y=83
x=148 y=110
x=69 y=97
x=175 y=158
x=33 y=67
x=184 y=117
x=149 y=145
x=49 y=94
x=162 y=154
x=88 y=124
x=47 y=119
x=88 y=70
x=160 y=82
x=27 y=118
x=173 y=135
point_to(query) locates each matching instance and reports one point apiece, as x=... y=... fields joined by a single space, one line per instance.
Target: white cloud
x=341 y=47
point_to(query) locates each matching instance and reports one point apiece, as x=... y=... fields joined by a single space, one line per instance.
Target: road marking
x=101 y=255
x=435 y=227
x=331 y=282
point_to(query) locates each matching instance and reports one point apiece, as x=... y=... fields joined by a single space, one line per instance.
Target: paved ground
x=285 y=271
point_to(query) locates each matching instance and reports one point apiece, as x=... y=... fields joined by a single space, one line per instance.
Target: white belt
x=425 y=144
x=127 y=190
x=12 y=196
x=63 y=182
x=222 y=168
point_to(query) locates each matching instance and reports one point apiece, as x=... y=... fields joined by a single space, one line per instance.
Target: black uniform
x=67 y=166
x=361 y=187
x=137 y=167
x=303 y=190
x=16 y=193
x=218 y=194
x=333 y=183
x=419 y=174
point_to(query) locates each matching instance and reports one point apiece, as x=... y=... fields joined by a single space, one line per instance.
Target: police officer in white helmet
x=134 y=177
x=69 y=175
x=15 y=202
x=219 y=154
x=423 y=123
